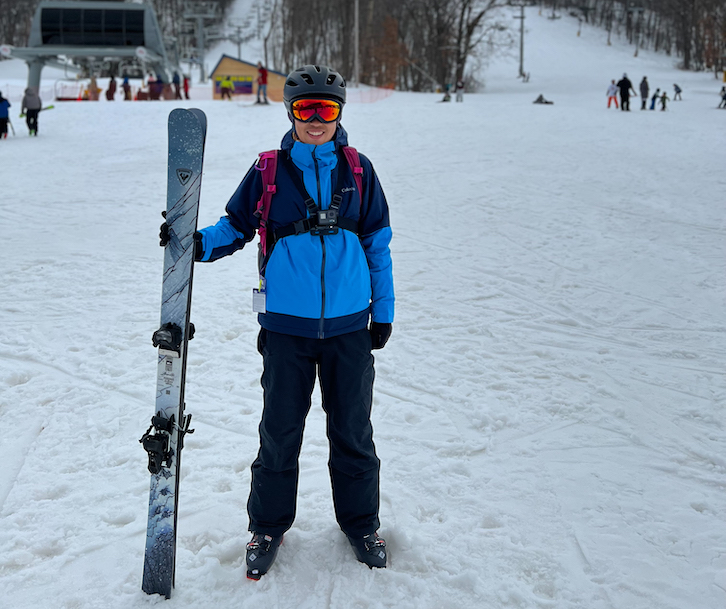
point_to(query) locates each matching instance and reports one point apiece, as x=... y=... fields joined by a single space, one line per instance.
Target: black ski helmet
x=313 y=81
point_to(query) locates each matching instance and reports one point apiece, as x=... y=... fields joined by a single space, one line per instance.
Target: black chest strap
x=319 y=222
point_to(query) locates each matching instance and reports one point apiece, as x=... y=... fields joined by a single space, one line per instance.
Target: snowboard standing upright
x=164 y=440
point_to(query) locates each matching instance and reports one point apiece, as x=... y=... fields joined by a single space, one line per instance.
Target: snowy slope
x=550 y=408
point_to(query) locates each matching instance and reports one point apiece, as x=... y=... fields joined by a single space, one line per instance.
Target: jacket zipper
x=321 y=326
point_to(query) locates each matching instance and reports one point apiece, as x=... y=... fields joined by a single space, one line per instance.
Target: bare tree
x=15 y=19
x=692 y=29
x=474 y=25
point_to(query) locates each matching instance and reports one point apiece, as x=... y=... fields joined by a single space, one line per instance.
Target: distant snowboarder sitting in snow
x=541 y=100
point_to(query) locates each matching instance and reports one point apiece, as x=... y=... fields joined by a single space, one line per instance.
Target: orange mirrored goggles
x=325 y=110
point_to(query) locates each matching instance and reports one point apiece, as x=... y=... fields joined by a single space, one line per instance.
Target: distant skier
x=4 y=116
x=226 y=88
x=723 y=97
x=654 y=99
x=111 y=91
x=31 y=106
x=126 y=89
x=612 y=94
x=677 y=90
x=176 y=81
x=625 y=87
x=261 y=84
x=663 y=99
x=185 y=85
x=459 y=90
x=644 y=90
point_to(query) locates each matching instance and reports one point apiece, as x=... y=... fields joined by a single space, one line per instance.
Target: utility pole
x=238 y=40
x=356 y=45
x=521 y=39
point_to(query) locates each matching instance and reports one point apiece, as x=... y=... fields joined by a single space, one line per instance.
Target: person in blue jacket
x=4 y=116
x=325 y=301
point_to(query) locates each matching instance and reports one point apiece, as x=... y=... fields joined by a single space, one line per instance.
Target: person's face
x=315 y=132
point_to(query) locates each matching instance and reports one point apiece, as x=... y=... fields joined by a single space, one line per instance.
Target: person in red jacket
x=186 y=86
x=261 y=83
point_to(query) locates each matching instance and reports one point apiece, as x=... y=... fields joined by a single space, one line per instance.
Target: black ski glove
x=163 y=231
x=198 y=247
x=380 y=333
x=164 y=239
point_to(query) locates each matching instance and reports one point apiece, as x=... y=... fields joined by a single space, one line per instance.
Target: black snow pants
x=31 y=119
x=344 y=365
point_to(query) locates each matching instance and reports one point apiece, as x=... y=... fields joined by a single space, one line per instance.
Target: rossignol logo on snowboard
x=184 y=175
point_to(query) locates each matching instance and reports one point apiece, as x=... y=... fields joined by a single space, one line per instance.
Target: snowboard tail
x=164 y=439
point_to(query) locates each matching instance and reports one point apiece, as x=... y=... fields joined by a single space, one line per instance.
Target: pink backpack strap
x=267 y=165
x=351 y=155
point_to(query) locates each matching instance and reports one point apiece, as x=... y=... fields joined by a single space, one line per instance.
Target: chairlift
x=131 y=69
x=69 y=89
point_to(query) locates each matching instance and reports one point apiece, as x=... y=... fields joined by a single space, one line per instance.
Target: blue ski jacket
x=4 y=105
x=316 y=286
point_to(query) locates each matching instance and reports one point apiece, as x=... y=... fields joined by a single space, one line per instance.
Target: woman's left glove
x=380 y=333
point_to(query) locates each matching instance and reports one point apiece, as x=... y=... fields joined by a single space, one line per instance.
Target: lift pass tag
x=259 y=301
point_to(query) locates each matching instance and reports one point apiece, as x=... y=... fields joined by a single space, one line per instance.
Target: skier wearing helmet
x=325 y=300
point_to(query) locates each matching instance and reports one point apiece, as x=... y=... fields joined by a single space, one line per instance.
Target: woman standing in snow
x=326 y=272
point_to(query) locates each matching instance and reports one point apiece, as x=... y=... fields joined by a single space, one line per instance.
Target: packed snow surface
x=549 y=411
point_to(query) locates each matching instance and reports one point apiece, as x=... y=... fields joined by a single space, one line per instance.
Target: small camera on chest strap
x=327 y=222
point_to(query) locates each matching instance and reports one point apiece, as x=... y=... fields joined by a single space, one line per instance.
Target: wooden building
x=244 y=76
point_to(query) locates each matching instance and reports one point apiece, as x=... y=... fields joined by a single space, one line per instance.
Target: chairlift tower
x=201 y=13
x=89 y=34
